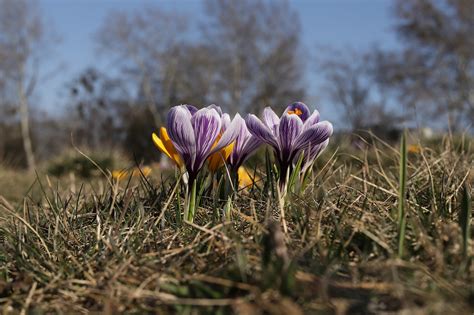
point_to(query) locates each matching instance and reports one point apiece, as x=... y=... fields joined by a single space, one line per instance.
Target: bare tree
x=98 y=105
x=347 y=86
x=103 y=116
x=434 y=70
x=144 y=45
x=256 y=49
x=351 y=86
x=23 y=39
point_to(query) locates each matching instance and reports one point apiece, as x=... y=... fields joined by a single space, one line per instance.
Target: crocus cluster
x=295 y=132
x=195 y=137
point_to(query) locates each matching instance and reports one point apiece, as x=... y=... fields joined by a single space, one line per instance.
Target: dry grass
x=16 y=184
x=120 y=249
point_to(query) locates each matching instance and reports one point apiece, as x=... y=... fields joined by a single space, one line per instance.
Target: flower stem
x=190 y=203
x=281 y=203
x=282 y=191
x=178 y=205
x=282 y=181
x=234 y=176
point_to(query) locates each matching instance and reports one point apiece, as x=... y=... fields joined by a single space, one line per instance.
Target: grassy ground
x=119 y=248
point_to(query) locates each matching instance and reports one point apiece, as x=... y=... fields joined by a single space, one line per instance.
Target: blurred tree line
x=243 y=55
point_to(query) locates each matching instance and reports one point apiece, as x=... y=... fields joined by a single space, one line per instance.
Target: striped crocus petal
x=245 y=145
x=217 y=108
x=207 y=126
x=299 y=109
x=314 y=135
x=289 y=130
x=250 y=145
x=230 y=134
x=192 y=109
x=217 y=159
x=225 y=120
x=261 y=131
x=271 y=120
x=181 y=132
x=312 y=120
x=311 y=153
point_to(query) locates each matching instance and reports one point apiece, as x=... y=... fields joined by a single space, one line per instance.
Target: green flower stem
x=190 y=203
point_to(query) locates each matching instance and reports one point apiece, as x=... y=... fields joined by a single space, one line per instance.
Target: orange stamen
x=296 y=111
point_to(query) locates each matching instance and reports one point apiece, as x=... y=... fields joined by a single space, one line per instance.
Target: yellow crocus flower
x=245 y=179
x=414 y=148
x=119 y=174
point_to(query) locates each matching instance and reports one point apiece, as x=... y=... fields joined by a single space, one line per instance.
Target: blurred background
x=101 y=75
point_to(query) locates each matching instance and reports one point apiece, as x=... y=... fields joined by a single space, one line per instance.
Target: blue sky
x=336 y=23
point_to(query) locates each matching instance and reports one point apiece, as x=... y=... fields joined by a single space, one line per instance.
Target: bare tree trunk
x=25 y=124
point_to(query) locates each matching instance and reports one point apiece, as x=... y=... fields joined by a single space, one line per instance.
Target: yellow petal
x=245 y=180
x=165 y=145
x=215 y=161
x=170 y=147
x=146 y=170
x=414 y=148
x=228 y=150
x=160 y=145
x=218 y=158
x=119 y=174
x=137 y=172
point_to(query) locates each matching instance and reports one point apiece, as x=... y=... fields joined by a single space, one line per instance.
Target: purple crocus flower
x=195 y=133
x=245 y=144
x=294 y=132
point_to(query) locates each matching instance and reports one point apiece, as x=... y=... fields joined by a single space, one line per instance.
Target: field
x=357 y=242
